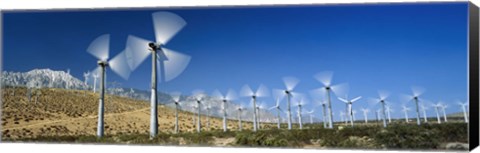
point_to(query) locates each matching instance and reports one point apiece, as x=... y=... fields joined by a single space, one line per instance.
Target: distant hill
x=47 y=78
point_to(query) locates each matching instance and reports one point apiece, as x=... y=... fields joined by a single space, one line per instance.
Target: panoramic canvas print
x=352 y=76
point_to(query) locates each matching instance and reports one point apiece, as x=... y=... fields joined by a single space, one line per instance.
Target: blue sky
x=370 y=47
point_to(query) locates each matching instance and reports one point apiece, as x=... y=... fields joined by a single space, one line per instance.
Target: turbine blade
x=324 y=77
x=278 y=94
x=246 y=91
x=100 y=47
x=343 y=100
x=340 y=89
x=318 y=94
x=175 y=64
x=119 y=65
x=383 y=94
x=218 y=95
x=417 y=91
x=290 y=82
x=166 y=25
x=175 y=96
x=137 y=51
x=262 y=91
x=355 y=99
x=231 y=95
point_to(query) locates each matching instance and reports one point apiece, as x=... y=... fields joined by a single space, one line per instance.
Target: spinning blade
x=100 y=47
x=324 y=77
x=166 y=25
x=290 y=82
x=174 y=64
x=119 y=65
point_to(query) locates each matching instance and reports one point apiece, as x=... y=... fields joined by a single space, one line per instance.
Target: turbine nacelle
x=102 y=63
x=155 y=46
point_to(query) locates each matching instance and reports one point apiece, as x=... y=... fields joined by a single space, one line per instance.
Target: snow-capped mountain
x=41 y=78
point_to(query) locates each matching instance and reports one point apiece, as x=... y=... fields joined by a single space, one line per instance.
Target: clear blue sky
x=371 y=47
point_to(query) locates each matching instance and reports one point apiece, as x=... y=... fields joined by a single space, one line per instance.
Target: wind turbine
x=342 y=114
x=300 y=102
x=208 y=107
x=389 y=110
x=86 y=75
x=325 y=78
x=365 y=112
x=259 y=108
x=176 y=100
x=416 y=92
x=349 y=106
x=444 y=106
x=377 y=114
x=262 y=91
x=290 y=84
x=405 y=109
x=100 y=49
x=95 y=77
x=424 y=110
x=229 y=96
x=199 y=96
x=438 y=105
x=310 y=113
x=382 y=96
x=464 y=105
x=170 y=63
x=277 y=106
x=240 y=112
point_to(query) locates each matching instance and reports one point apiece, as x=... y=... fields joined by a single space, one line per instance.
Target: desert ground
x=59 y=112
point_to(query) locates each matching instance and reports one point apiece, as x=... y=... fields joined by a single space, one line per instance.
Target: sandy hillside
x=74 y=112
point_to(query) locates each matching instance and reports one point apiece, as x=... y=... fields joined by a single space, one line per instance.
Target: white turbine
x=95 y=77
x=389 y=110
x=325 y=78
x=86 y=75
x=262 y=91
x=118 y=64
x=277 y=106
x=349 y=107
x=342 y=114
x=259 y=108
x=416 y=92
x=240 y=112
x=176 y=100
x=382 y=100
x=228 y=97
x=310 y=113
x=365 y=112
x=437 y=106
x=444 y=106
x=424 y=110
x=199 y=97
x=464 y=105
x=290 y=84
x=170 y=63
x=300 y=102
x=354 y=112
x=405 y=109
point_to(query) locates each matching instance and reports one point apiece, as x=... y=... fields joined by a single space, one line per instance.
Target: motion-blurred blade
x=262 y=91
x=198 y=94
x=119 y=65
x=324 y=77
x=137 y=51
x=246 y=91
x=290 y=82
x=383 y=94
x=217 y=95
x=318 y=94
x=175 y=64
x=231 y=95
x=278 y=94
x=175 y=96
x=166 y=25
x=355 y=99
x=417 y=91
x=100 y=47
x=340 y=89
